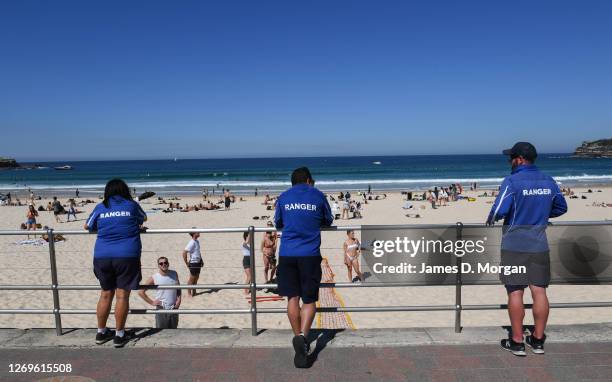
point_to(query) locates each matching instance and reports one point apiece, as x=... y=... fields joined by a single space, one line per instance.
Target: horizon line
x=34 y=161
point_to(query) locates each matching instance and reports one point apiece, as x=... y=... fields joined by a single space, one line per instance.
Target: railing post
x=56 y=302
x=458 y=282
x=252 y=285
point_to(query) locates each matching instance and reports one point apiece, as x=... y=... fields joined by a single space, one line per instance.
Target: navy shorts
x=300 y=276
x=536 y=264
x=195 y=268
x=118 y=272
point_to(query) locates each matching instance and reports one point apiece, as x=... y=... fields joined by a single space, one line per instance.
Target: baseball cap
x=523 y=149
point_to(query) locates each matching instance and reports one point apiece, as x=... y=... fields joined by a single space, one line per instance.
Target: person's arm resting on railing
x=503 y=203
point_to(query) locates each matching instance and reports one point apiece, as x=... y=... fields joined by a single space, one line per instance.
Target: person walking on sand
x=31 y=219
x=71 y=210
x=165 y=299
x=227 y=199
x=268 y=249
x=352 y=249
x=118 y=221
x=527 y=199
x=58 y=209
x=192 y=256
x=300 y=213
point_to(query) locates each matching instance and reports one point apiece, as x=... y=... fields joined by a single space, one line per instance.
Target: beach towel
x=30 y=242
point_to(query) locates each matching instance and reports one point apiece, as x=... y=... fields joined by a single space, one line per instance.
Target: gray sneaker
x=536 y=345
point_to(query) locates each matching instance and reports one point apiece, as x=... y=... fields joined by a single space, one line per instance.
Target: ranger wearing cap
x=527 y=199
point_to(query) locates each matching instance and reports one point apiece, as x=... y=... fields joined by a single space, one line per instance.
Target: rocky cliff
x=8 y=163
x=596 y=149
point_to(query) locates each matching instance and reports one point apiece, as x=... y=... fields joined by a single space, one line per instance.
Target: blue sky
x=123 y=80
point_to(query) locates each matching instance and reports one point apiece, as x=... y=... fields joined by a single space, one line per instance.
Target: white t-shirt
x=193 y=247
x=167 y=297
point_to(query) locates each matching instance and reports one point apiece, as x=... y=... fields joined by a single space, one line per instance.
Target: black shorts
x=537 y=266
x=195 y=268
x=118 y=272
x=300 y=276
x=246 y=262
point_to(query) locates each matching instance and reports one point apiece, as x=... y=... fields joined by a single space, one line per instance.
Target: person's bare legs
x=293 y=313
x=516 y=311
x=247 y=273
x=540 y=310
x=350 y=273
x=266 y=268
x=356 y=267
x=104 y=307
x=122 y=306
x=307 y=315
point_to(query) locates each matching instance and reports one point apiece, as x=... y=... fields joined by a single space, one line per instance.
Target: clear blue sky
x=126 y=79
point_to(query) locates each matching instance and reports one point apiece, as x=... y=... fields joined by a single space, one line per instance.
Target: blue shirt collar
x=524 y=167
x=301 y=186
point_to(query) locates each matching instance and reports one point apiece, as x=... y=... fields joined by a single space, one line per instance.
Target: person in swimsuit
x=31 y=222
x=227 y=198
x=352 y=249
x=246 y=259
x=268 y=248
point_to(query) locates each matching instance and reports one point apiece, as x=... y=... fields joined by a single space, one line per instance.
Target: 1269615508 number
x=40 y=368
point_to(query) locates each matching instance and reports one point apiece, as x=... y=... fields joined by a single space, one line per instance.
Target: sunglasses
x=164 y=263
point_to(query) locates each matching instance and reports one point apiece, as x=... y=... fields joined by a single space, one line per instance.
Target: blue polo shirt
x=527 y=199
x=300 y=213
x=118 y=228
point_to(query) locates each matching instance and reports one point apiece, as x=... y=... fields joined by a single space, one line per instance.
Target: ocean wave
x=326 y=183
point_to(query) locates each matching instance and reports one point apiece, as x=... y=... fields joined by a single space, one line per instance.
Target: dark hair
x=300 y=175
x=162 y=257
x=116 y=187
x=245 y=235
x=349 y=231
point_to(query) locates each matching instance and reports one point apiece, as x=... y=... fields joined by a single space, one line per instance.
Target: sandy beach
x=29 y=264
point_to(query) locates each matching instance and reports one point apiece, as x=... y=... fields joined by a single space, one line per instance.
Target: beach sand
x=29 y=264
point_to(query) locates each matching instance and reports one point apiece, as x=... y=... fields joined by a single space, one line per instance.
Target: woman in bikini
x=352 y=249
x=31 y=222
x=268 y=248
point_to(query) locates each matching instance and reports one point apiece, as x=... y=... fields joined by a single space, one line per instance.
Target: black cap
x=522 y=149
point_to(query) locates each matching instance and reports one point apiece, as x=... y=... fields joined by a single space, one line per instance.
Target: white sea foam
x=360 y=183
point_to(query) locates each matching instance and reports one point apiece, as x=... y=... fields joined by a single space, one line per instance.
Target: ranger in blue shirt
x=300 y=213
x=527 y=199
x=118 y=221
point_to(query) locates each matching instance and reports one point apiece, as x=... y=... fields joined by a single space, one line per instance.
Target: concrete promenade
x=579 y=352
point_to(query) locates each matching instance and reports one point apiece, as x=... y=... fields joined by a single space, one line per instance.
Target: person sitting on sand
x=352 y=249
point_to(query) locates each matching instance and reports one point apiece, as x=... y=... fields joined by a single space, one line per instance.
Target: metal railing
x=253 y=311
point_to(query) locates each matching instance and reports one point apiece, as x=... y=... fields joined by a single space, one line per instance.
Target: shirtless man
x=268 y=248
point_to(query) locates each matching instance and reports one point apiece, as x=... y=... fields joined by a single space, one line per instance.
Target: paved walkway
x=330 y=298
x=574 y=353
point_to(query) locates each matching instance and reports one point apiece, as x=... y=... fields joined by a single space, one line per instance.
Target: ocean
x=187 y=176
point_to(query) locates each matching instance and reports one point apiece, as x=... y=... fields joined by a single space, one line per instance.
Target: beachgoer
x=192 y=256
x=58 y=209
x=268 y=249
x=345 y=209
x=76 y=193
x=300 y=213
x=71 y=210
x=118 y=221
x=527 y=200
x=165 y=299
x=246 y=258
x=352 y=249
x=31 y=216
x=227 y=199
